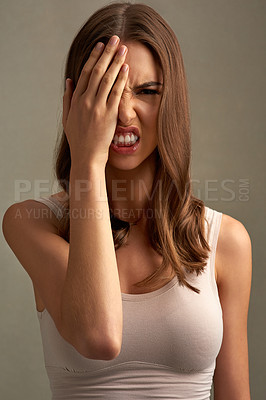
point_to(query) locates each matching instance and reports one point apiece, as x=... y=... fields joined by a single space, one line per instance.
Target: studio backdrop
x=223 y=45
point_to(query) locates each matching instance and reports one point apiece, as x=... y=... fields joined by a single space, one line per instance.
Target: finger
x=86 y=70
x=67 y=101
x=117 y=90
x=111 y=75
x=101 y=66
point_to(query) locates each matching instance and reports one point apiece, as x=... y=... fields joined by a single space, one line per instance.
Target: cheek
x=150 y=128
x=149 y=114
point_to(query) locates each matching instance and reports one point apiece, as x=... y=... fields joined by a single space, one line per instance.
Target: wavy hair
x=177 y=228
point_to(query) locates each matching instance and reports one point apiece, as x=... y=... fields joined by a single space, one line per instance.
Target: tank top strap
x=53 y=204
x=213 y=220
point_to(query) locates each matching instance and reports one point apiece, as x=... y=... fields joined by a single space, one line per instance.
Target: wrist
x=86 y=170
x=87 y=180
x=89 y=162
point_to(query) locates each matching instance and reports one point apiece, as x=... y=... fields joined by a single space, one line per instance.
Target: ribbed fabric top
x=171 y=338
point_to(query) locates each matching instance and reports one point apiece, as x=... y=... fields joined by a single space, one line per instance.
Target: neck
x=130 y=190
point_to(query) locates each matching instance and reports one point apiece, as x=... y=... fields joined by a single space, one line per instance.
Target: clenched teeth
x=127 y=140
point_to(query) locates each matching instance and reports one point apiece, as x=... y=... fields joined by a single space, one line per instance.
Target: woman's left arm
x=234 y=271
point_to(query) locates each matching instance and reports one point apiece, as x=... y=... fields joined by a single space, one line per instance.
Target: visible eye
x=148 y=91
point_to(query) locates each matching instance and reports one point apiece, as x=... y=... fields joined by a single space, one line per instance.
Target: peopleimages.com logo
x=222 y=190
x=225 y=190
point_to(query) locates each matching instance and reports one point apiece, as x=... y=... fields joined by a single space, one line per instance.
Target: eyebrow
x=147 y=84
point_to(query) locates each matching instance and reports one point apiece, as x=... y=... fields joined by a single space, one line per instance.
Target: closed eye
x=148 y=91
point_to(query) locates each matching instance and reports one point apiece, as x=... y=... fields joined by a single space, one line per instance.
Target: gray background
x=223 y=44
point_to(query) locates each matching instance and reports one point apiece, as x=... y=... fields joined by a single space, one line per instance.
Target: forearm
x=91 y=306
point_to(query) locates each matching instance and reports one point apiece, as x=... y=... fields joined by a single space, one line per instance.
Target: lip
x=128 y=129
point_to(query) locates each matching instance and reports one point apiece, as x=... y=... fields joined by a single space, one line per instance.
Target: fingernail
x=114 y=40
x=122 y=50
x=99 y=46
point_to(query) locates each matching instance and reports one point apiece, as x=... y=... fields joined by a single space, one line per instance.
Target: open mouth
x=125 y=144
x=125 y=148
x=127 y=141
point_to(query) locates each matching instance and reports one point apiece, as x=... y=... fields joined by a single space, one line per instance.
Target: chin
x=125 y=164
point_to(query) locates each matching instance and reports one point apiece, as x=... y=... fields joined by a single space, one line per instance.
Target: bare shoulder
x=31 y=230
x=33 y=211
x=234 y=252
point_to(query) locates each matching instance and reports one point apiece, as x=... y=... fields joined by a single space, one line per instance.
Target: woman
x=141 y=290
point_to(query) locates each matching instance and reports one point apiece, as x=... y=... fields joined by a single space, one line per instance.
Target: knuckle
x=98 y=70
x=116 y=92
x=97 y=112
x=106 y=79
x=87 y=103
x=108 y=50
x=118 y=60
x=85 y=71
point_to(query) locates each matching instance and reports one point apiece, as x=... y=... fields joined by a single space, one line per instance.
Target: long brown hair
x=177 y=228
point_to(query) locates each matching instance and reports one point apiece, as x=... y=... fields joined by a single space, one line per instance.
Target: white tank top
x=171 y=338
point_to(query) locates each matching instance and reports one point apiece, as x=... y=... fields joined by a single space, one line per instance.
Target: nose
x=126 y=110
